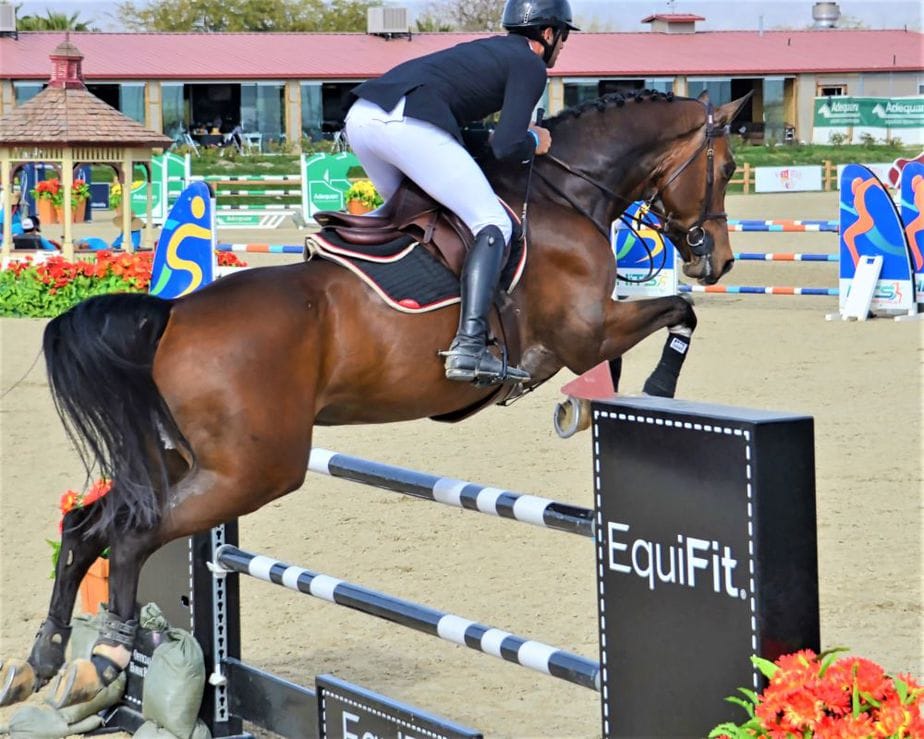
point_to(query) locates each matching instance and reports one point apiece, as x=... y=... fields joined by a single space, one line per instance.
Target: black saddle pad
x=404 y=274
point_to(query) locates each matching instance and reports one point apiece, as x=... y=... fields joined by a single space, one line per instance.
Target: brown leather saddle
x=411 y=212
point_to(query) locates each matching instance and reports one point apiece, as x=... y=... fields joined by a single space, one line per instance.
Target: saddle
x=409 y=212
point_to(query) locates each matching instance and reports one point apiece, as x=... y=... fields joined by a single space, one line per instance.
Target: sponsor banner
x=871 y=226
x=846 y=111
x=324 y=181
x=788 y=179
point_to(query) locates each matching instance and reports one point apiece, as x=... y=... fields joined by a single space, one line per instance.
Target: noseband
x=695 y=235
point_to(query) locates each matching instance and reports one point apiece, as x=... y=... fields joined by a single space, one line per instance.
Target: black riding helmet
x=529 y=17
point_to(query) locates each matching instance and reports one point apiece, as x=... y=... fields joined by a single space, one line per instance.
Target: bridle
x=696 y=236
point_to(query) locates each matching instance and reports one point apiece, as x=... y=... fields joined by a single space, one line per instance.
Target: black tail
x=99 y=357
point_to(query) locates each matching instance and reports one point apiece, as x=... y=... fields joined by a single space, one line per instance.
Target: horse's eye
x=729 y=169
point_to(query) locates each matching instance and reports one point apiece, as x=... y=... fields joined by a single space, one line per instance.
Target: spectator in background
x=31 y=237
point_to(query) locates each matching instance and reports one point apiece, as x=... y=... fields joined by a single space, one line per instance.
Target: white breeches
x=391 y=146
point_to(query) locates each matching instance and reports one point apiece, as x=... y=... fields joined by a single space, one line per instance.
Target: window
x=664 y=84
x=720 y=90
x=579 y=91
x=827 y=91
x=584 y=89
x=774 y=123
x=174 y=111
x=312 y=110
x=25 y=91
x=262 y=109
x=131 y=101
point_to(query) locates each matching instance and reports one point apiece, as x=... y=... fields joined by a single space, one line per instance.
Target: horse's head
x=690 y=189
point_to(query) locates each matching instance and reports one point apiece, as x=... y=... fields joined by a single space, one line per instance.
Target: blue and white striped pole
x=532 y=509
x=527 y=653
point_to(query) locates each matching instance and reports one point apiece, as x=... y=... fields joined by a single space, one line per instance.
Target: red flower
x=850 y=699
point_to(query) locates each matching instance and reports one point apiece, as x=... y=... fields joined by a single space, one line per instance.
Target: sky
x=622 y=15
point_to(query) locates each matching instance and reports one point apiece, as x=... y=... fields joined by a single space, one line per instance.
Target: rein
x=695 y=235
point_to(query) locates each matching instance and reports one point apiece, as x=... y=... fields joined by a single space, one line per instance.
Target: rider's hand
x=545 y=139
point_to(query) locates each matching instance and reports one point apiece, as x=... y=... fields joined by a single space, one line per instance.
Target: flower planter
x=78 y=212
x=45 y=210
x=94 y=588
x=357 y=207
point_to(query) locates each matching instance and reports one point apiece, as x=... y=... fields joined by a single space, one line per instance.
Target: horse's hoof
x=17 y=681
x=571 y=416
x=78 y=682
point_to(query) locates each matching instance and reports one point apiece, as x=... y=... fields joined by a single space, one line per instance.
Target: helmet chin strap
x=548 y=48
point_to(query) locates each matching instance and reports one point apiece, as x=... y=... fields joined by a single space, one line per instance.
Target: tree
x=462 y=15
x=53 y=22
x=246 y=15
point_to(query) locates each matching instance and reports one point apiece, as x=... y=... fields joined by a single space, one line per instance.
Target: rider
x=407 y=123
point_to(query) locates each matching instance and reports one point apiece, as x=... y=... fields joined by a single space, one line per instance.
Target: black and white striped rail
x=525 y=652
x=494 y=501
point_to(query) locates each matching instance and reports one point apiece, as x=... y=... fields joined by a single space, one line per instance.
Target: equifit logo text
x=690 y=562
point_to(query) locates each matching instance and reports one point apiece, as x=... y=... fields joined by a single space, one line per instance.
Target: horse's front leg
x=79 y=548
x=614 y=328
x=627 y=323
x=662 y=382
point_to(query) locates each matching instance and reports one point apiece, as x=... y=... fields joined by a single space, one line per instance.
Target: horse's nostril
x=728 y=266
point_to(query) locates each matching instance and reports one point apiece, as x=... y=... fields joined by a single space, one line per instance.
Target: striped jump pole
x=527 y=653
x=783 y=224
x=758 y=256
x=759 y=290
x=262 y=248
x=268 y=206
x=259 y=193
x=493 y=501
x=244 y=178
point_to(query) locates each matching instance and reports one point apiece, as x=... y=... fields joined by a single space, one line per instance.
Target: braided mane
x=618 y=99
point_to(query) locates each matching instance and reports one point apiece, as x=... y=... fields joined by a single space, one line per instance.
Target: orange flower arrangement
x=824 y=697
x=70 y=500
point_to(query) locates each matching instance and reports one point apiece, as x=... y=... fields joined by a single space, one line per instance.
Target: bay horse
x=201 y=409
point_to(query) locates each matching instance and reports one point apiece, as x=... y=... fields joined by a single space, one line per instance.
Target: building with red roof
x=283 y=86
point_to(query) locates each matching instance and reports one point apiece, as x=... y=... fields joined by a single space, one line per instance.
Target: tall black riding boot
x=468 y=358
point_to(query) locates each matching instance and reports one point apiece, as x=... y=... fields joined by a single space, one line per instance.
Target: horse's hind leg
x=79 y=548
x=213 y=492
x=82 y=679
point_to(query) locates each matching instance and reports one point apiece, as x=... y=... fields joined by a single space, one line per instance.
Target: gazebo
x=66 y=126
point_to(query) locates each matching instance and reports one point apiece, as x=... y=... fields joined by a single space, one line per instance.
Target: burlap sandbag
x=175 y=679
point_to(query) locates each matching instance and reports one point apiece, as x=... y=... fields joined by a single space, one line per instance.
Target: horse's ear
x=725 y=114
x=703 y=97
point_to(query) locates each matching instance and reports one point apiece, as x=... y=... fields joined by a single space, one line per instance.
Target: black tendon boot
x=468 y=358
